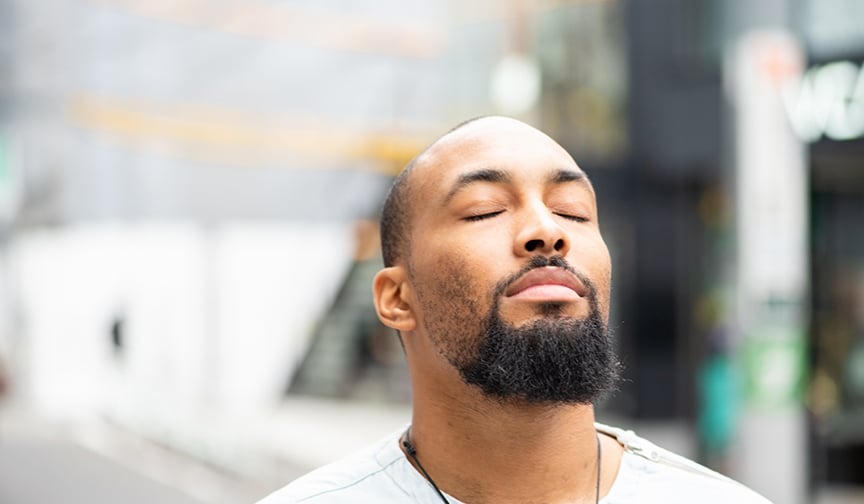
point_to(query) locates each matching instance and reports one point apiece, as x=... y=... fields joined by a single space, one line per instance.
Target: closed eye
x=575 y=218
x=474 y=218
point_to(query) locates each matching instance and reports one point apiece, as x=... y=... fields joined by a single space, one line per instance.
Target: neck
x=479 y=450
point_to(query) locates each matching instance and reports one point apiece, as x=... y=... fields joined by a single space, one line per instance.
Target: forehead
x=525 y=153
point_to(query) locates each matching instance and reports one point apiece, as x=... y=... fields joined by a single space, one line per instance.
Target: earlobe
x=391 y=289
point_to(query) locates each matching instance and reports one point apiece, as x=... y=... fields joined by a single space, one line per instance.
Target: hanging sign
x=828 y=100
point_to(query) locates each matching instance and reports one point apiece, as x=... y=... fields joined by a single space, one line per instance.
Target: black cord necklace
x=412 y=452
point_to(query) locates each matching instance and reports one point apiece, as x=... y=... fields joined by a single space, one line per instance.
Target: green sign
x=774 y=367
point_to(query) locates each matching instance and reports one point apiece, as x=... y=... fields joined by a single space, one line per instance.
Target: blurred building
x=180 y=183
x=681 y=184
x=683 y=152
x=830 y=117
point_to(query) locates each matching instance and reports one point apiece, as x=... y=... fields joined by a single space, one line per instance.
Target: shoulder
x=670 y=483
x=649 y=473
x=360 y=477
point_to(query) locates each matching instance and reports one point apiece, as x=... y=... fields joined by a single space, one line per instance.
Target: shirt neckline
x=403 y=474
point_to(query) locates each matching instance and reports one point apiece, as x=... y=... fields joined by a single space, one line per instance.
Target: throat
x=492 y=481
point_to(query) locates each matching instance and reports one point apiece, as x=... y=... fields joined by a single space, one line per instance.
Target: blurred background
x=188 y=195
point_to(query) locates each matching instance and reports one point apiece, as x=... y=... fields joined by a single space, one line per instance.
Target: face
x=509 y=269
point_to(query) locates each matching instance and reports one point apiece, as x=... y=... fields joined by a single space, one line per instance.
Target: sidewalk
x=218 y=460
x=274 y=448
x=49 y=462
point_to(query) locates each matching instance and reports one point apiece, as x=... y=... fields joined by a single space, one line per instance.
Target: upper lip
x=547 y=275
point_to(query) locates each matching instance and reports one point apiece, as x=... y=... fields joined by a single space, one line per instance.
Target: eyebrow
x=498 y=176
x=484 y=175
x=566 y=175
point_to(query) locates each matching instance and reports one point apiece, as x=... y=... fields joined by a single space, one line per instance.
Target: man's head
x=396 y=212
x=495 y=265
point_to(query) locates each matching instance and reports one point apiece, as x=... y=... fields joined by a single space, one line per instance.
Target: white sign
x=771 y=209
x=827 y=100
x=771 y=172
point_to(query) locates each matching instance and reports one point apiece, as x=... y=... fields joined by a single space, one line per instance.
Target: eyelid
x=482 y=216
x=576 y=218
x=477 y=207
x=576 y=211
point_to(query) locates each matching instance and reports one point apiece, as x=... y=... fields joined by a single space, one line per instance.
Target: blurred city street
x=43 y=462
x=38 y=471
x=49 y=463
x=189 y=228
x=197 y=462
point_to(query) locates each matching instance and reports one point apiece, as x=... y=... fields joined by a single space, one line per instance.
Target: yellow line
x=326 y=29
x=237 y=138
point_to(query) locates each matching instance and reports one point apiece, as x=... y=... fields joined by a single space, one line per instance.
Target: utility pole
x=771 y=206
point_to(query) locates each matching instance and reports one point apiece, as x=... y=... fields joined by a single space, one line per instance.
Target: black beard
x=552 y=360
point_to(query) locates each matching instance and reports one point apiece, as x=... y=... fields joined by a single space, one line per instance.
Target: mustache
x=542 y=262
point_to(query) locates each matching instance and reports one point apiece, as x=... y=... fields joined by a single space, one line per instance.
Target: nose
x=539 y=233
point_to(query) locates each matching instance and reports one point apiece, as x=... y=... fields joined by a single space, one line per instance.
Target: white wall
x=214 y=317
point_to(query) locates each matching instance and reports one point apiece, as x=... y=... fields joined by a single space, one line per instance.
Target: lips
x=547 y=282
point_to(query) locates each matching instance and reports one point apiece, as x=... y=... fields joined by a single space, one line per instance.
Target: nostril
x=533 y=245
x=559 y=245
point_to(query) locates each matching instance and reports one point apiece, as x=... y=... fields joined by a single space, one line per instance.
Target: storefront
x=836 y=398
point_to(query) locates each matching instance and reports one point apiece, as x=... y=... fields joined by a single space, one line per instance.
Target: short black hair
x=395 y=218
x=396 y=211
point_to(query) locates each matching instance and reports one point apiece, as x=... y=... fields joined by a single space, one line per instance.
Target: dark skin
x=495 y=193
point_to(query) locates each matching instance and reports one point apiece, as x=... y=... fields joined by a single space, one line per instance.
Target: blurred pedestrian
x=498 y=281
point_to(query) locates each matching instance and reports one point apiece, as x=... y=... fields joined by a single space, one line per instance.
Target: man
x=497 y=279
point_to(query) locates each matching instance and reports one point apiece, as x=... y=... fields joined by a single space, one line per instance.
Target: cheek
x=604 y=264
x=448 y=307
x=449 y=257
x=444 y=285
x=603 y=279
x=592 y=257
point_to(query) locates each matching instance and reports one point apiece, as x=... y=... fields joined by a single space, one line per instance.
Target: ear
x=391 y=290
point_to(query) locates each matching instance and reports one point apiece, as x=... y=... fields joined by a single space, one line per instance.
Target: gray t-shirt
x=381 y=473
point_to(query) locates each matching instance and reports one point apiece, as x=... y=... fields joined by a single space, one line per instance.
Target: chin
x=560 y=310
x=555 y=309
x=521 y=314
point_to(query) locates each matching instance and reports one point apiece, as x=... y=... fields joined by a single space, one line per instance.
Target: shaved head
x=397 y=211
